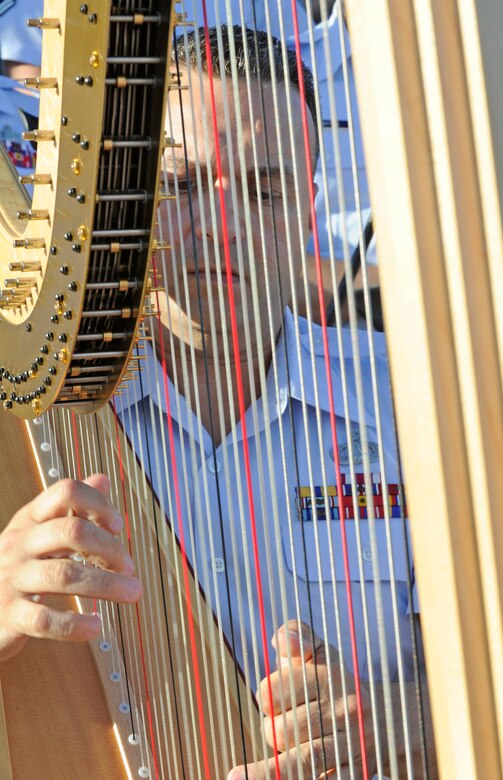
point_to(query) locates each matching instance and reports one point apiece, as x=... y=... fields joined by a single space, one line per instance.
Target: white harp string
x=185 y=461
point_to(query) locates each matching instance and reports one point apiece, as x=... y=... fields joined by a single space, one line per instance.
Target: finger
x=289 y=687
x=28 y=618
x=304 y=722
x=99 y=482
x=67 y=535
x=295 y=640
x=69 y=497
x=308 y=760
x=63 y=576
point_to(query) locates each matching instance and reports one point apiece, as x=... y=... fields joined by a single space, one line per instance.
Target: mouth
x=212 y=273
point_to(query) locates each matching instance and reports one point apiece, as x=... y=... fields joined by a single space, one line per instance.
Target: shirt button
x=367 y=554
x=213 y=465
x=218 y=565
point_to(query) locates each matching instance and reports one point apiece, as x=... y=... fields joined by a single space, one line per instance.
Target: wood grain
x=57 y=719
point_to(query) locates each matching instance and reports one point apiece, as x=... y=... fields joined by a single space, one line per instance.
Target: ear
x=316 y=189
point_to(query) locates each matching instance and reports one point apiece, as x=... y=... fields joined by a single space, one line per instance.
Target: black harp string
x=288 y=375
x=210 y=411
x=254 y=28
x=348 y=734
x=117 y=606
x=157 y=521
x=124 y=108
x=132 y=427
x=288 y=380
x=220 y=50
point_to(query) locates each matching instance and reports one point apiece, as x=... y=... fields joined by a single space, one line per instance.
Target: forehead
x=260 y=118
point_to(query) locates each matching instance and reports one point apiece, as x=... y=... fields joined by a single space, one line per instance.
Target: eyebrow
x=273 y=171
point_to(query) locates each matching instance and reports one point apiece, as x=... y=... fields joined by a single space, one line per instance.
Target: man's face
x=268 y=235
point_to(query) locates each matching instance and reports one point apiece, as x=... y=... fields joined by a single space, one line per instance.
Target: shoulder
x=333 y=343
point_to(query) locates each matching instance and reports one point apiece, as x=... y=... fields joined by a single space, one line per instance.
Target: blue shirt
x=18 y=42
x=219 y=543
x=15 y=101
x=327 y=60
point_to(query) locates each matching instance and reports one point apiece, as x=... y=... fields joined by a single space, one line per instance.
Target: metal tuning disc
x=74 y=257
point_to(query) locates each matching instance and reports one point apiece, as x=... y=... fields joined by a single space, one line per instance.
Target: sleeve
x=18 y=42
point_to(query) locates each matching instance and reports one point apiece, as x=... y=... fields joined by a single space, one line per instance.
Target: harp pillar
x=432 y=119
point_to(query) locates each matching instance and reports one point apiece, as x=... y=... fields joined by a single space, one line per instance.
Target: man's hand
x=316 y=703
x=35 y=548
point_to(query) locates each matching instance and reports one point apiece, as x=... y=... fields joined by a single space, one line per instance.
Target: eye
x=183 y=185
x=265 y=194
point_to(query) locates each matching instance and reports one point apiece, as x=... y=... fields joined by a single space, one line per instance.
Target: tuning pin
x=26 y=281
x=23 y=265
x=44 y=23
x=177 y=86
x=170 y=143
x=33 y=214
x=28 y=243
x=159 y=245
x=166 y=196
x=36 y=178
x=39 y=135
x=181 y=20
x=41 y=83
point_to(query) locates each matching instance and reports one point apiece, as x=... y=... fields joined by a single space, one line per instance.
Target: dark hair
x=255 y=44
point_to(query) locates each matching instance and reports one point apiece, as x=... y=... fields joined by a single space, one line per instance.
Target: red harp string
x=137 y=608
x=239 y=383
x=333 y=428
x=181 y=539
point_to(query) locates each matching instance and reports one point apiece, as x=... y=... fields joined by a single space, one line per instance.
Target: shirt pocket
x=315 y=550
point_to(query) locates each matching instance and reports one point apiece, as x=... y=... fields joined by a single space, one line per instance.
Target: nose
x=229 y=222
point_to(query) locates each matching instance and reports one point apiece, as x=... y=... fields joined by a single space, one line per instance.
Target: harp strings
x=235 y=213
x=152 y=611
x=388 y=541
x=174 y=466
x=196 y=260
x=305 y=557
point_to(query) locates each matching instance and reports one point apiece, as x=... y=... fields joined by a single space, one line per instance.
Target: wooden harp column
x=428 y=77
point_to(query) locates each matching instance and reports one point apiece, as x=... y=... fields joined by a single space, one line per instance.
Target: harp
x=191 y=709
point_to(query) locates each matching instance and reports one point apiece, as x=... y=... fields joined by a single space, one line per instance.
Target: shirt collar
x=153 y=383
x=320 y=31
x=307 y=351
x=300 y=347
